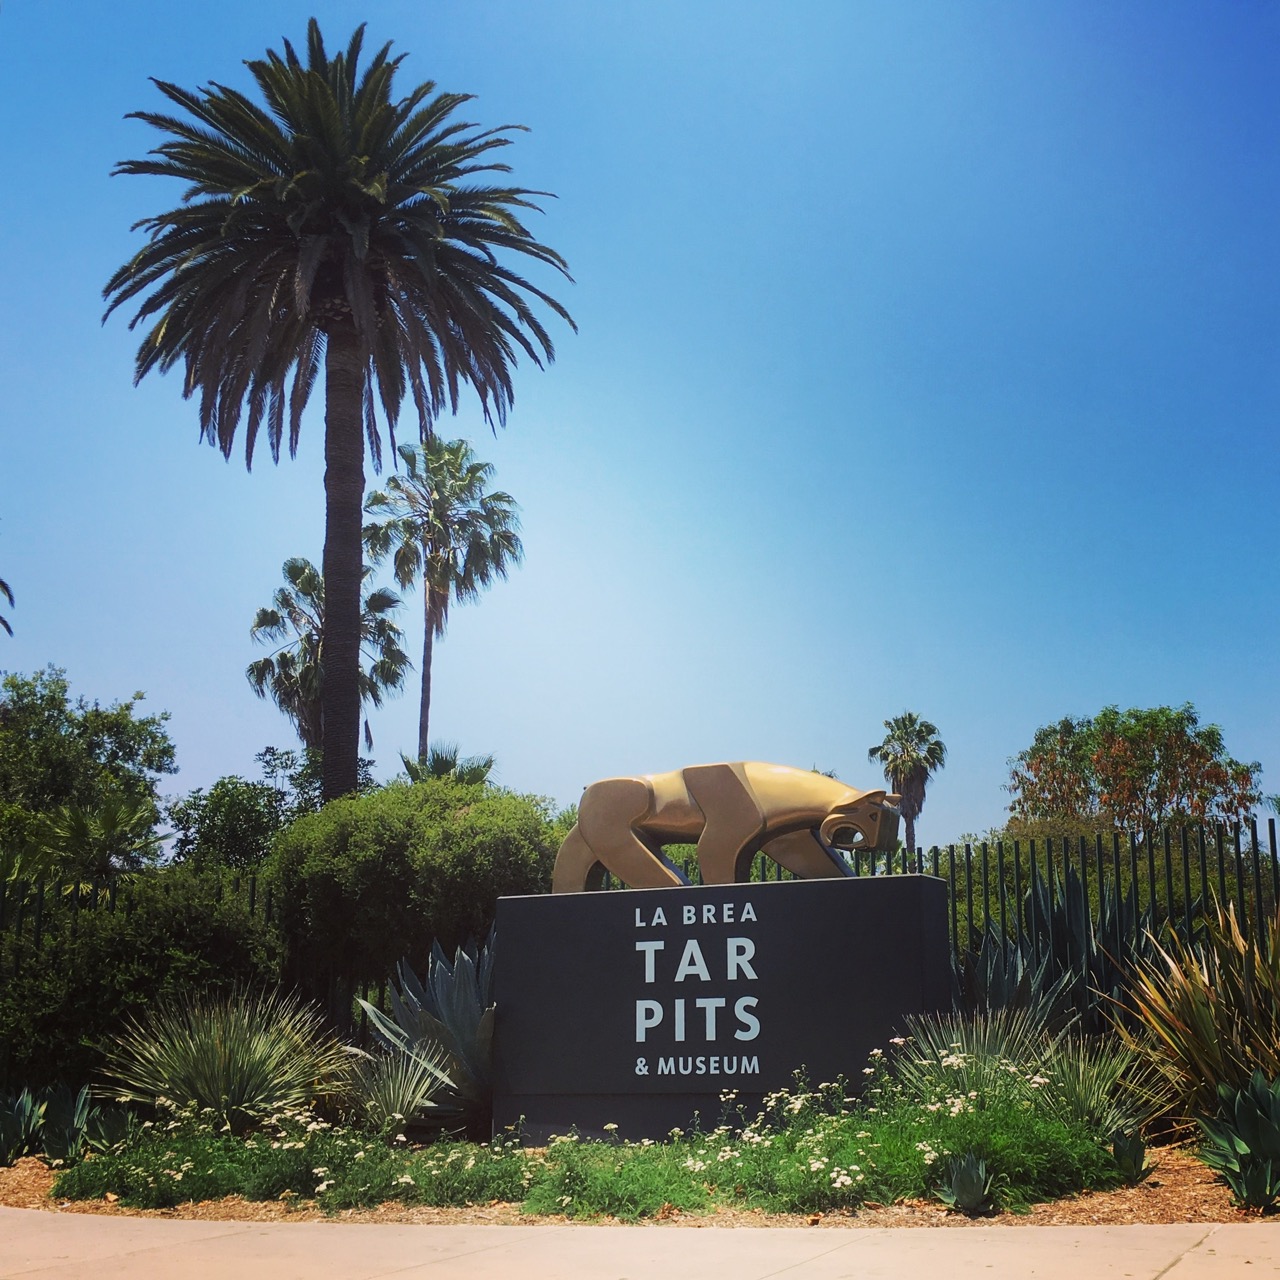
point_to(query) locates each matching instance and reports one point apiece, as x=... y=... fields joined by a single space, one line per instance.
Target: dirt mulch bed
x=1181 y=1190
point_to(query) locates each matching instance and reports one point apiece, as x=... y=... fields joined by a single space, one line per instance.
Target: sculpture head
x=869 y=822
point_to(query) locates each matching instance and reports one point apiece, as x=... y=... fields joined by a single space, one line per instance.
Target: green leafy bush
x=373 y=878
x=172 y=932
x=239 y=1057
x=233 y=824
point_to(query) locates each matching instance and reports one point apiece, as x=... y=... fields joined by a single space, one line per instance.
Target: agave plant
x=967 y=1186
x=242 y=1056
x=452 y=1011
x=1243 y=1144
x=66 y=1123
x=1130 y=1153
x=1002 y=973
x=1094 y=959
x=21 y=1119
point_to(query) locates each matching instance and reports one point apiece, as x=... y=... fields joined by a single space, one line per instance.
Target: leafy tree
x=230 y=825
x=910 y=754
x=338 y=227
x=295 y=674
x=1140 y=768
x=56 y=751
x=296 y=779
x=443 y=527
x=7 y=592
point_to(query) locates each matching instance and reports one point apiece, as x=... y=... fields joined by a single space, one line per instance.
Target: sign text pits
x=639 y=1007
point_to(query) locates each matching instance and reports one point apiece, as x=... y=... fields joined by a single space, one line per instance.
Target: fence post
x=1017 y=891
x=955 y=925
x=1220 y=839
x=968 y=894
x=1275 y=865
x=1259 y=915
x=1241 y=891
x=1004 y=906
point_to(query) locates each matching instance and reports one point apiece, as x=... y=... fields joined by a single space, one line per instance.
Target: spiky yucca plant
x=992 y=1055
x=242 y=1056
x=398 y=1087
x=1210 y=1012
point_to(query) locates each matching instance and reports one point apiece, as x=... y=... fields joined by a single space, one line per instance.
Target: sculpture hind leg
x=577 y=868
x=610 y=817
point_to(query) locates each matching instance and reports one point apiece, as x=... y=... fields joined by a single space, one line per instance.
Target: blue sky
x=927 y=359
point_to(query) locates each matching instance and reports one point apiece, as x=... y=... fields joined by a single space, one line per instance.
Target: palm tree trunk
x=911 y=834
x=428 y=644
x=344 y=496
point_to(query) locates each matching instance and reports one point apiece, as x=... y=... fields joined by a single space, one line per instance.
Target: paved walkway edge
x=59 y=1246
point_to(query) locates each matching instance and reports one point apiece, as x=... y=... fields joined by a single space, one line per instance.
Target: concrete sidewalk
x=48 y=1245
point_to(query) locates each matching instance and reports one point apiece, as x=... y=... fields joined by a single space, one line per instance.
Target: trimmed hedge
x=372 y=878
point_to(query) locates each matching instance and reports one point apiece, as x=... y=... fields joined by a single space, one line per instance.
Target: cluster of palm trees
x=333 y=228
x=441 y=527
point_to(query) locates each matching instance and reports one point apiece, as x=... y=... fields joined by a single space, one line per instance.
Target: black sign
x=640 y=1008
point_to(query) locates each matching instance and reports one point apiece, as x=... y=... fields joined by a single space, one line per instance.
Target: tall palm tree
x=443 y=527
x=910 y=754
x=296 y=673
x=7 y=592
x=336 y=227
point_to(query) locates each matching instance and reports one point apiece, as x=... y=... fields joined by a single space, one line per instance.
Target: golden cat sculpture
x=733 y=811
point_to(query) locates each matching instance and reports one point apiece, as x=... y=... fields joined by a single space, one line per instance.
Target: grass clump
x=241 y=1057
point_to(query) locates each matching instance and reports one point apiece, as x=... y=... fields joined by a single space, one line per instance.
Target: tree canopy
x=57 y=751
x=1140 y=768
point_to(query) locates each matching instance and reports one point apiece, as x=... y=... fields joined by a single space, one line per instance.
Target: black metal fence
x=1170 y=878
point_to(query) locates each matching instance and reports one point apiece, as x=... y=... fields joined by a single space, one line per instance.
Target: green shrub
x=373 y=878
x=1210 y=1012
x=240 y=1057
x=585 y=1179
x=172 y=931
